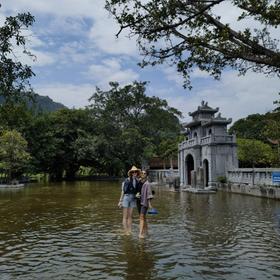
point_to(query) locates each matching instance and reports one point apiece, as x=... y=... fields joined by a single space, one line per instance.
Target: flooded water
x=73 y=231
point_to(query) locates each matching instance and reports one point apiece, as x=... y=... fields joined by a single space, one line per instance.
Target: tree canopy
x=193 y=34
x=122 y=126
x=250 y=127
x=61 y=142
x=13 y=153
x=258 y=126
x=14 y=75
x=132 y=124
x=264 y=128
x=252 y=153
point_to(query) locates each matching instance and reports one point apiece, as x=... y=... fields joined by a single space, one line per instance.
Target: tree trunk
x=56 y=175
x=71 y=173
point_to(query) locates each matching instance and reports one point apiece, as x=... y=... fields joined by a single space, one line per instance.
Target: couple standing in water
x=136 y=192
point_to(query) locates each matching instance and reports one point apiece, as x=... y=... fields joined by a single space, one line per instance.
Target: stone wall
x=257 y=176
x=256 y=190
x=257 y=182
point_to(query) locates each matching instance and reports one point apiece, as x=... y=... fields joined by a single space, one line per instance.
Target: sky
x=76 y=50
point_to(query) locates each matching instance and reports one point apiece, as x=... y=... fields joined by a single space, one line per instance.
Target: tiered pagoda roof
x=204 y=116
x=204 y=108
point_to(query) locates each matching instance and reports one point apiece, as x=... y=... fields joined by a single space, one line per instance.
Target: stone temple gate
x=209 y=151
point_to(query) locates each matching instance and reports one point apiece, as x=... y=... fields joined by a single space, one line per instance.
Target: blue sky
x=76 y=50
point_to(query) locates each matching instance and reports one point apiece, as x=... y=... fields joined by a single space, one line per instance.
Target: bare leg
x=129 y=220
x=124 y=221
x=142 y=226
x=145 y=226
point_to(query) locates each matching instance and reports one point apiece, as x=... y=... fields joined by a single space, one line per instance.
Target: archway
x=190 y=167
x=206 y=172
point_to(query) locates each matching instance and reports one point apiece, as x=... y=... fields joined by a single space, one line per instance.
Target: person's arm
x=138 y=189
x=121 y=198
x=150 y=196
x=149 y=203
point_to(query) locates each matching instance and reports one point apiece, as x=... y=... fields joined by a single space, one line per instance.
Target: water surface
x=73 y=231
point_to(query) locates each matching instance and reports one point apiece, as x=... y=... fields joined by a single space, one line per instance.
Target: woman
x=127 y=200
x=146 y=196
x=138 y=194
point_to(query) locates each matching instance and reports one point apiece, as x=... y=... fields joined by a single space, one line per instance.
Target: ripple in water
x=74 y=232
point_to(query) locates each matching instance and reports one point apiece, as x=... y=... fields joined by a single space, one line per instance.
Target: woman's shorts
x=129 y=201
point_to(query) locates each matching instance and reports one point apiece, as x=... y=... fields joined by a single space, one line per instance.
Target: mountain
x=41 y=103
x=46 y=104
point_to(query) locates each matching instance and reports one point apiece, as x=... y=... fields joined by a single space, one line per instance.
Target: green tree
x=254 y=126
x=192 y=34
x=133 y=149
x=60 y=142
x=13 y=153
x=277 y=103
x=250 y=127
x=15 y=115
x=254 y=153
x=132 y=125
x=42 y=143
x=272 y=133
x=85 y=149
x=168 y=149
x=70 y=127
x=14 y=75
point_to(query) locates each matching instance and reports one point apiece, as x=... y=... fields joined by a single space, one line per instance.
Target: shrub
x=222 y=179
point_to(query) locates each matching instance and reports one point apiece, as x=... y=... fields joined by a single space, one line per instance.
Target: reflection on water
x=138 y=259
x=73 y=230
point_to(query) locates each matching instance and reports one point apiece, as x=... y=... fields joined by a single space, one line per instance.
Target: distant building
x=159 y=163
x=209 y=151
x=161 y=169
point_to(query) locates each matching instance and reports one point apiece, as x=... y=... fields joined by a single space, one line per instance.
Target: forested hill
x=42 y=103
x=46 y=104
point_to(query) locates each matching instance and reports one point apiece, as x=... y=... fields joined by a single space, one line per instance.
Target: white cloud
x=103 y=33
x=69 y=17
x=59 y=8
x=172 y=75
x=76 y=52
x=111 y=70
x=41 y=59
x=85 y=19
x=229 y=15
x=69 y=95
x=70 y=25
x=77 y=33
x=197 y=73
x=236 y=96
